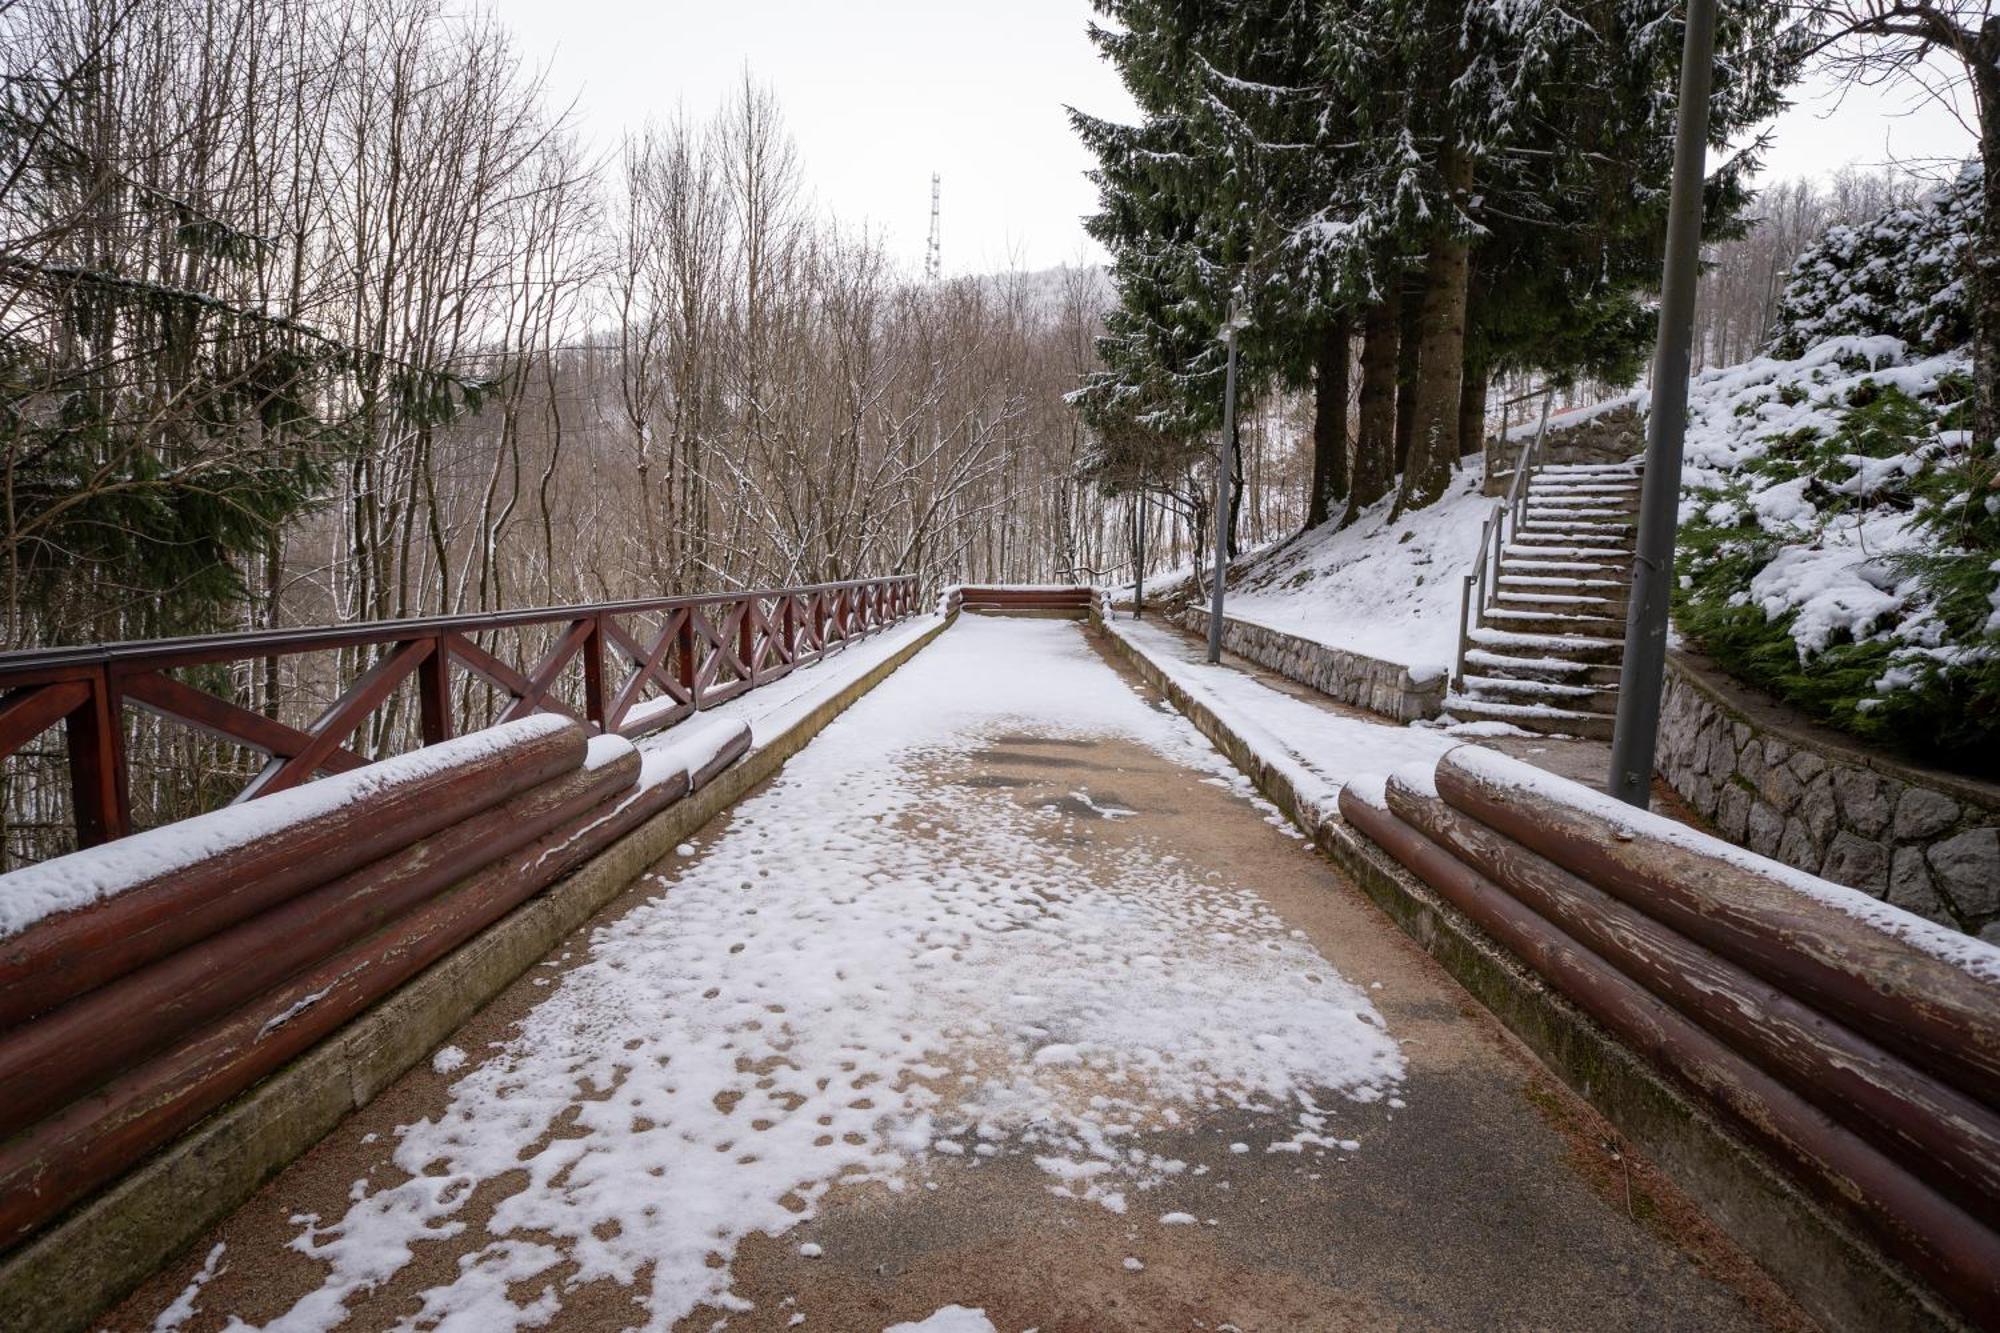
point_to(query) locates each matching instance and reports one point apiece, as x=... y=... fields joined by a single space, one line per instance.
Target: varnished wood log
x=65 y=956
x=725 y=754
x=1925 y=1009
x=1956 y=1254
x=91 y=1141
x=1933 y=1129
x=46 y=1062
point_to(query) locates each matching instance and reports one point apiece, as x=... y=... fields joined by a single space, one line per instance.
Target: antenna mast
x=934 y=254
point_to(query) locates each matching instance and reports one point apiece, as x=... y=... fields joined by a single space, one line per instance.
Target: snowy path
x=1003 y=994
x=1323 y=746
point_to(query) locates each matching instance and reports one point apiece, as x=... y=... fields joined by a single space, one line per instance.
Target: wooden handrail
x=708 y=648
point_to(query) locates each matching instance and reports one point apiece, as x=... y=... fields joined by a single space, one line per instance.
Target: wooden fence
x=625 y=667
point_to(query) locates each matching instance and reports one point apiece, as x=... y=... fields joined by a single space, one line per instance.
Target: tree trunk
x=1330 y=376
x=1375 y=446
x=1409 y=307
x=1472 y=410
x=1986 y=259
x=1441 y=359
x=1233 y=546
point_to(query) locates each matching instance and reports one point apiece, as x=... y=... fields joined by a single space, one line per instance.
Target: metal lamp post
x=1223 y=461
x=1636 y=732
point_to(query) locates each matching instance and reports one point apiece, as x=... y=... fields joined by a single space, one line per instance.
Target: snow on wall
x=1316 y=749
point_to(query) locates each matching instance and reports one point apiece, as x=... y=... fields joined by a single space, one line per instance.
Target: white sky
x=881 y=93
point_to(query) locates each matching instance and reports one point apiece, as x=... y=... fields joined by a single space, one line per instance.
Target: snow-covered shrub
x=1904 y=274
x=1841 y=542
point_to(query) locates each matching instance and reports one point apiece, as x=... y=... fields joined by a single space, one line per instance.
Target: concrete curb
x=64 y=1278
x=1833 y=1274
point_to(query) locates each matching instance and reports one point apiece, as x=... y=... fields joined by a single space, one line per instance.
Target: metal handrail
x=1500 y=525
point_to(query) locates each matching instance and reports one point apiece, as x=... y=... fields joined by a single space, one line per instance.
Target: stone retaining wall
x=1927 y=842
x=1382 y=687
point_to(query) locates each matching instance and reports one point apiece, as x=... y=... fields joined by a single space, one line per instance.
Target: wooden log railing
x=1854 y=1047
x=1071 y=598
x=171 y=972
x=622 y=667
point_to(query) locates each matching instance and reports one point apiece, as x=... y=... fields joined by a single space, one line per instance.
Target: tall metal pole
x=1636 y=732
x=1222 y=471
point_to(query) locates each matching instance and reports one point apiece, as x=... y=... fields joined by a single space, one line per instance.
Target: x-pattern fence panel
x=643 y=665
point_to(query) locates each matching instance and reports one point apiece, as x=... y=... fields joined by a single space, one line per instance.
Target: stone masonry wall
x=1387 y=688
x=1929 y=843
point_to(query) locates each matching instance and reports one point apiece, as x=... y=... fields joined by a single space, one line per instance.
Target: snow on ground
x=1838 y=570
x=1318 y=750
x=951 y=1319
x=185 y=1306
x=775 y=708
x=1387 y=590
x=867 y=974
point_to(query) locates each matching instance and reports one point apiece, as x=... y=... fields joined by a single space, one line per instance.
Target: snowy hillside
x=1387 y=590
x=1837 y=539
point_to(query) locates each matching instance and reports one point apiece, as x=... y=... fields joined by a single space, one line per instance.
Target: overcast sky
x=881 y=93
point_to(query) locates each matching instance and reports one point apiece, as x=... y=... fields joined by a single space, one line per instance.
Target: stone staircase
x=1546 y=603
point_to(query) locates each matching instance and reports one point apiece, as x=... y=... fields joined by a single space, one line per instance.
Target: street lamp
x=1231 y=325
x=1642 y=671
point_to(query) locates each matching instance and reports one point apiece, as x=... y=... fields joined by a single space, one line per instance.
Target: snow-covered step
x=1581 y=499
x=1517 y=575
x=1592 y=648
x=1592 y=505
x=1582 y=486
x=1548 y=621
x=1602 y=530
x=1613 y=565
x=1627 y=499
x=1515 y=689
x=1615 y=561
x=1559 y=539
x=1525 y=665
x=1565 y=551
x=1631 y=469
x=1531 y=717
x=1563 y=569
x=1559 y=603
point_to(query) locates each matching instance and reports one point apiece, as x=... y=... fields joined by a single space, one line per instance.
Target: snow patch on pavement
x=871 y=972
x=1318 y=750
x=951 y=1319
x=184 y=1307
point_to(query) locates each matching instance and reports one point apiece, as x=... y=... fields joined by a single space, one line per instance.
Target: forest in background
x=315 y=312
